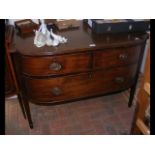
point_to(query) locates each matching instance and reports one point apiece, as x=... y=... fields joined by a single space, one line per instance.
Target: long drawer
x=55 y=65
x=77 y=86
x=116 y=57
x=58 y=89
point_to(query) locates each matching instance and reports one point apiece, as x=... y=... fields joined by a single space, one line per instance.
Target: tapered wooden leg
x=134 y=129
x=133 y=126
x=28 y=113
x=21 y=105
x=132 y=93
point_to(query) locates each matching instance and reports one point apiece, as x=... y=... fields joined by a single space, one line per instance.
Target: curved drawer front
x=112 y=80
x=120 y=78
x=55 y=65
x=83 y=85
x=57 y=89
x=116 y=57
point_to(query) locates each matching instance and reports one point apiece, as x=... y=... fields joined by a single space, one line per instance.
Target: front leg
x=132 y=93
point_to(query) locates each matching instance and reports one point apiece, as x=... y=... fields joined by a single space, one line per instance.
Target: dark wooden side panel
x=54 y=65
x=9 y=83
x=10 y=79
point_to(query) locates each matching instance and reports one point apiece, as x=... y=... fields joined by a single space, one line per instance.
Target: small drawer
x=55 y=65
x=116 y=57
x=120 y=78
x=112 y=80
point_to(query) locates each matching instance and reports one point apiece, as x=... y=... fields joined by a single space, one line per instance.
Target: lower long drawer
x=66 y=88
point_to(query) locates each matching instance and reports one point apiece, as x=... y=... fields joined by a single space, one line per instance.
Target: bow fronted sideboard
x=88 y=65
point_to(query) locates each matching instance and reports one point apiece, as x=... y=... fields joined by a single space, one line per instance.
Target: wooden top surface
x=79 y=39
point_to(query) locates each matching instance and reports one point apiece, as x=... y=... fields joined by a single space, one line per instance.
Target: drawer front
x=107 y=81
x=83 y=85
x=55 y=65
x=119 y=78
x=116 y=57
x=58 y=89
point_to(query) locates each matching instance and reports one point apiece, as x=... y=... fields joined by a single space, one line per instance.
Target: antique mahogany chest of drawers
x=88 y=65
